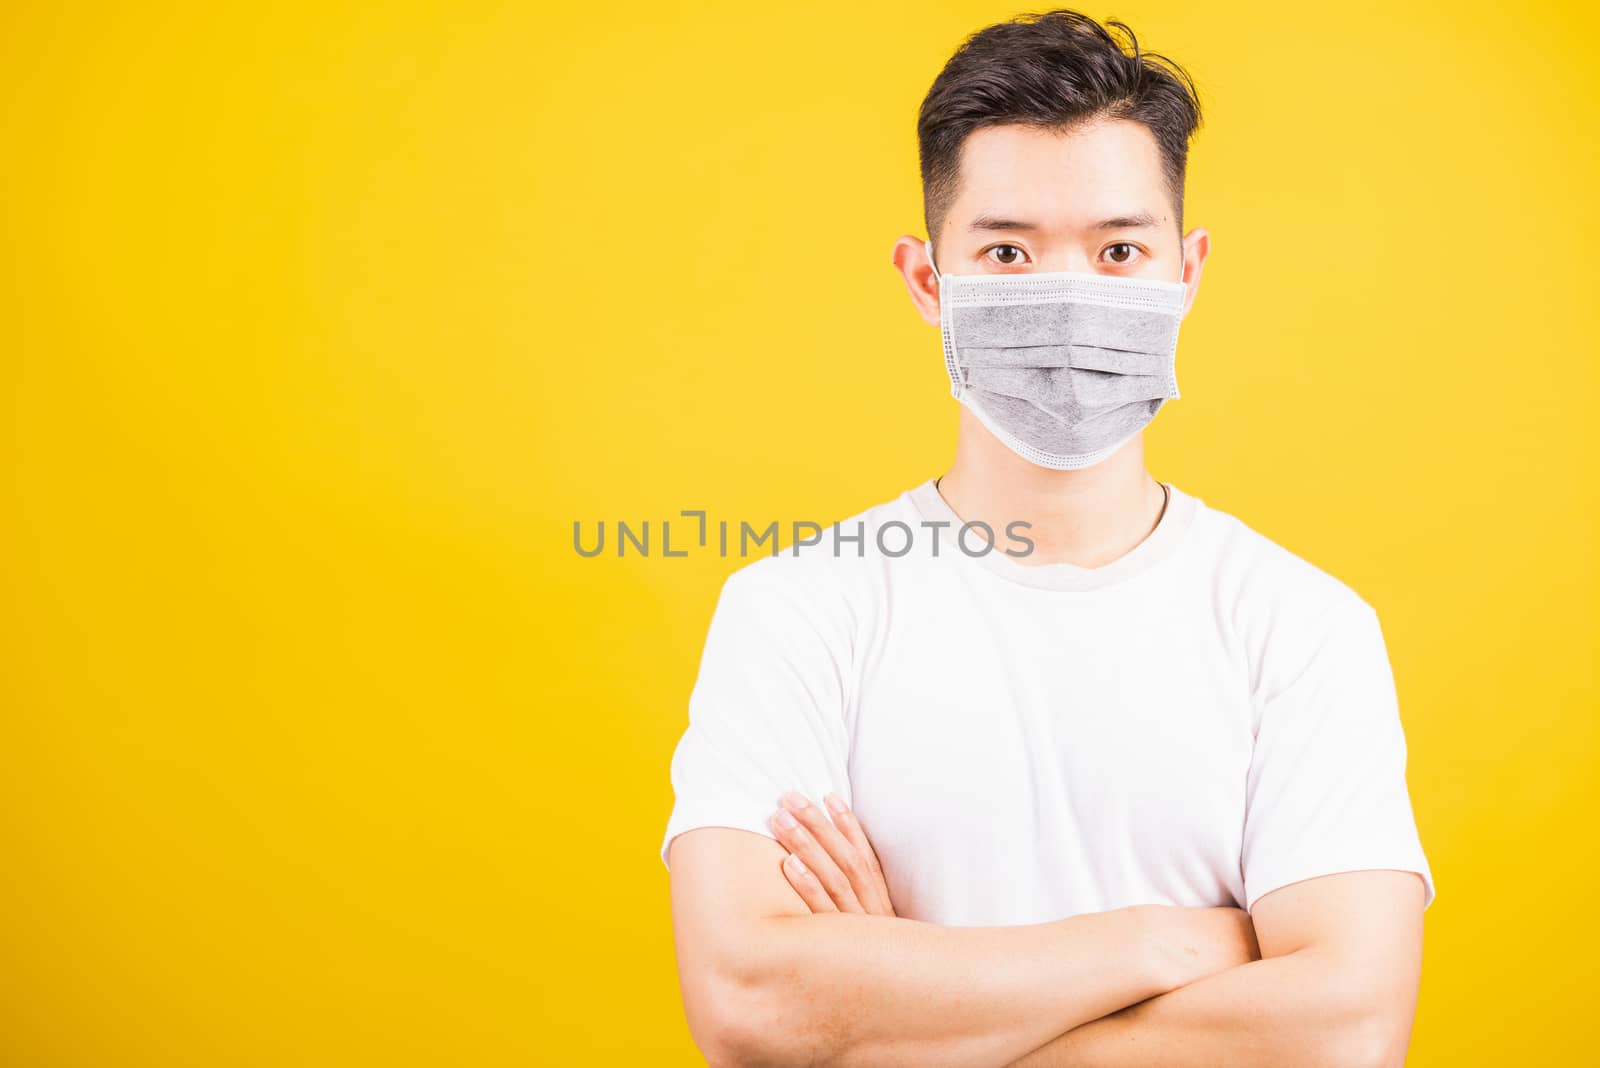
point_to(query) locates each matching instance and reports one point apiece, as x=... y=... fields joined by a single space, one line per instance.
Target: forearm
x=848 y=989
x=1301 y=1010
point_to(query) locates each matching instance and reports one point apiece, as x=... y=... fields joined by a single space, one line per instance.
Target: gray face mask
x=1064 y=368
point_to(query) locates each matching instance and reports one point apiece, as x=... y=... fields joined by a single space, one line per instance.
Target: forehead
x=1101 y=169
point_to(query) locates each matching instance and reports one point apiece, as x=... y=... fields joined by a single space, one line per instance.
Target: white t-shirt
x=1205 y=719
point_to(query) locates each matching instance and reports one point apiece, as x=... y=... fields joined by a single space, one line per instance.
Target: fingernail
x=835 y=803
x=798 y=800
x=786 y=821
x=798 y=865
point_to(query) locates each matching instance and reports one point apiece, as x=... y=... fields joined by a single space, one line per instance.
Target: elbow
x=750 y=999
x=1386 y=1043
x=715 y=1008
x=1373 y=1039
x=734 y=1025
x=1359 y=1021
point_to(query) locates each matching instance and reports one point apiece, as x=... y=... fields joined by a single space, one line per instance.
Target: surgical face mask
x=1064 y=368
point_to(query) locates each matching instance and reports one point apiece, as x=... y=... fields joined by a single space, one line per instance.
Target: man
x=1126 y=788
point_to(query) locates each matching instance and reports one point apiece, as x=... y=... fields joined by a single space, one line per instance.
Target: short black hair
x=1052 y=70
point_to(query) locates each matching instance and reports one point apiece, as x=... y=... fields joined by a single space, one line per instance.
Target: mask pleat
x=1070 y=366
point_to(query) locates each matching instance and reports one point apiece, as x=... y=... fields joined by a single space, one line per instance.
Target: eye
x=1011 y=260
x=1121 y=253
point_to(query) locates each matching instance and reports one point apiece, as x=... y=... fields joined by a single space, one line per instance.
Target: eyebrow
x=985 y=223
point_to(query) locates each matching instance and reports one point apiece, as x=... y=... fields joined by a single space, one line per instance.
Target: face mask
x=1064 y=368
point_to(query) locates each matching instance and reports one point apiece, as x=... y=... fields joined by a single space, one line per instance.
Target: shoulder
x=1286 y=610
x=823 y=569
x=1257 y=573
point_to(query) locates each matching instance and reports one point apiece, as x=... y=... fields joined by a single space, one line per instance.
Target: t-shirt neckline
x=1157 y=545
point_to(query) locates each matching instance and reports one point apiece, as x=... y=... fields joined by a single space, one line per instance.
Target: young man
x=1126 y=788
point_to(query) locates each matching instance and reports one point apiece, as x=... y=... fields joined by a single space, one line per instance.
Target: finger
x=849 y=859
x=806 y=885
x=851 y=828
x=803 y=844
x=838 y=849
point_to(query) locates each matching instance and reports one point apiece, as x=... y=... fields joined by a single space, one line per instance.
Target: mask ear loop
x=1183 y=263
x=928 y=245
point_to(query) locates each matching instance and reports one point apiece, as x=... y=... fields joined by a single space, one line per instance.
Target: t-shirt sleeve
x=1327 y=784
x=766 y=714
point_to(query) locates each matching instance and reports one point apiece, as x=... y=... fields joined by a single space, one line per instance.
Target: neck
x=1087 y=517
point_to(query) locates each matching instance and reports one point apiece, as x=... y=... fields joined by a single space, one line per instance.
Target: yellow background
x=321 y=746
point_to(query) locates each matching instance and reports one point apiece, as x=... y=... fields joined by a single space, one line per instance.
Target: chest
x=1106 y=750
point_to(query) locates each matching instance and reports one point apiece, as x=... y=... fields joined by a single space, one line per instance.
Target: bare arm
x=766 y=981
x=1336 y=986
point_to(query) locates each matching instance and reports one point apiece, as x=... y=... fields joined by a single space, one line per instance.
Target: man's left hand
x=831 y=865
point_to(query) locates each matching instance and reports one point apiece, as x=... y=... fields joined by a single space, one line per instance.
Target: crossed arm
x=1336 y=984
x=807 y=964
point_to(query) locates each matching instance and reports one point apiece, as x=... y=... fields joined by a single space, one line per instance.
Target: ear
x=910 y=258
x=1196 y=247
